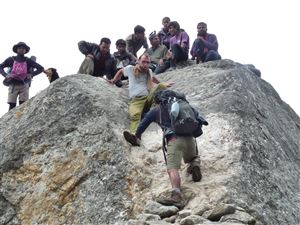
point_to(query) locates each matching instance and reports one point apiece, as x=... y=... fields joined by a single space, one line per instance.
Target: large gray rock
x=63 y=159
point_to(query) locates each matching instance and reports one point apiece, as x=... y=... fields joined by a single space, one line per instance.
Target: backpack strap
x=164 y=148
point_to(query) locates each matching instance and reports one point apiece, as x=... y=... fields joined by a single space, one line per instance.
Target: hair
x=105 y=40
x=120 y=42
x=144 y=54
x=174 y=24
x=201 y=23
x=139 y=29
x=166 y=18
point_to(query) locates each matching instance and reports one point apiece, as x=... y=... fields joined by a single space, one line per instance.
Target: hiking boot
x=119 y=83
x=175 y=199
x=195 y=171
x=131 y=138
x=198 y=60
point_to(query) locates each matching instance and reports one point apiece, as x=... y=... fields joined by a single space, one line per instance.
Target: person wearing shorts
x=178 y=148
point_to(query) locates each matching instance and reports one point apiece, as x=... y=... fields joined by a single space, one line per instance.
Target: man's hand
x=110 y=81
x=90 y=55
x=169 y=83
x=169 y=55
x=29 y=76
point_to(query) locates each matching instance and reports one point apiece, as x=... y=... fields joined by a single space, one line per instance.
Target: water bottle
x=174 y=109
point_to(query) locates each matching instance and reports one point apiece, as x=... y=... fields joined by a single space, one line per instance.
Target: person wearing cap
x=135 y=41
x=98 y=60
x=157 y=52
x=205 y=46
x=22 y=70
x=122 y=58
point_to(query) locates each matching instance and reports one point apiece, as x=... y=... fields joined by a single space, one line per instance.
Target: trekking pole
x=164 y=148
x=196 y=146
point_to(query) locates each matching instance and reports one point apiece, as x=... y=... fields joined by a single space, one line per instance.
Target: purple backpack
x=19 y=70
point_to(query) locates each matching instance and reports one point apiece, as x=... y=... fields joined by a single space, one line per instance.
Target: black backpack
x=176 y=111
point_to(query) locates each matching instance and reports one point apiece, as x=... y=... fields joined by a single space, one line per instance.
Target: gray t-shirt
x=137 y=84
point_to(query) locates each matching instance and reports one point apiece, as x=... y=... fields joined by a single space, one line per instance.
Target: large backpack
x=176 y=111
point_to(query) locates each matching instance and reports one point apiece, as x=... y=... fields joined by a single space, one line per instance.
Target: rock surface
x=63 y=159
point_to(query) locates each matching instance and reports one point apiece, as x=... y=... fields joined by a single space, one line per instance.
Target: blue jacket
x=154 y=116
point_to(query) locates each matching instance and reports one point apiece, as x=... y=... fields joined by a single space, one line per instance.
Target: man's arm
x=211 y=43
x=156 y=81
x=7 y=63
x=86 y=48
x=129 y=44
x=38 y=67
x=145 y=44
x=117 y=76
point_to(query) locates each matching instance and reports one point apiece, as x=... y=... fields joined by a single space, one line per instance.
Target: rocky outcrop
x=63 y=159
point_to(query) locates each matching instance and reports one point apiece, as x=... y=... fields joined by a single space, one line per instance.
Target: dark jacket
x=124 y=59
x=210 y=43
x=164 y=38
x=87 y=48
x=133 y=45
x=32 y=66
x=154 y=116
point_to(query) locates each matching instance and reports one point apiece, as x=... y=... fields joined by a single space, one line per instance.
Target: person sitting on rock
x=141 y=88
x=179 y=47
x=98 y=60
x=122 y=58
x=21 y=71
x=164 y=34
x=205 y=46
x=157 y=52
x=178 y=147
x=135 y=41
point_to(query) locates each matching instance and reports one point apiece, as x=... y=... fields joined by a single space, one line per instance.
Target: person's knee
x=87 y=66
x=212 y=55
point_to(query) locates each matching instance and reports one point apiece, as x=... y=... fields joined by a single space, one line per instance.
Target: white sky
x=262 y=33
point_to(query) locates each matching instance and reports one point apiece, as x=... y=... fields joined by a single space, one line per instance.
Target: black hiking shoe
x=196 y=173
x=119 y=83
x=131 y=138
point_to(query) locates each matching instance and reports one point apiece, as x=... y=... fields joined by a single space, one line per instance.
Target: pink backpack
x=19 y=70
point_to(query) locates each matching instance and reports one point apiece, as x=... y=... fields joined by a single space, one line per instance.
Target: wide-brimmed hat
x=23 y=44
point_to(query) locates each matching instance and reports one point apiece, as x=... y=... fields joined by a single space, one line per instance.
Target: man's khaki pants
x=140 y=106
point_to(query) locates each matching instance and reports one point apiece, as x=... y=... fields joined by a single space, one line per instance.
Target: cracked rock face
x=63 y=159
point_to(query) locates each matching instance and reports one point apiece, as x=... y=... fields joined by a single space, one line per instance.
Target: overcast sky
x=262 y=33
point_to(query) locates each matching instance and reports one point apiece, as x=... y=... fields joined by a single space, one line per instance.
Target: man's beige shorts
x=181 y=147
x=15 y=90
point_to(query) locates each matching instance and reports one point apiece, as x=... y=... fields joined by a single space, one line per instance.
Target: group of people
x=168 y=47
